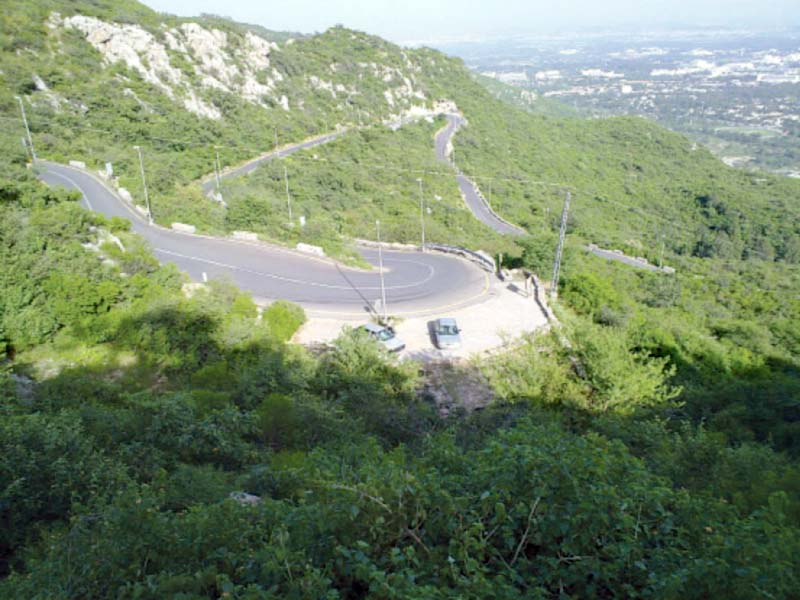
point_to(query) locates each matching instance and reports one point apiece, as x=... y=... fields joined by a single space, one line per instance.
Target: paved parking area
x=506 y=314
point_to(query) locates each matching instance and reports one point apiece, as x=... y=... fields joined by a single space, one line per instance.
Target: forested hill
x=163 y=439
x=101 y=76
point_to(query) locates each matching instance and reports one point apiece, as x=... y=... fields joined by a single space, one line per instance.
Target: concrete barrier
x=125 y=194
x=245 y=235
x=540 y=297
x=479 y=257
x=78 y=164
x=388 y=245
x=309 y=249
x=183 y=227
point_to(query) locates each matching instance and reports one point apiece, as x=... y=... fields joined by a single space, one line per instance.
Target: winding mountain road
x=416 y=283
x=475 y=202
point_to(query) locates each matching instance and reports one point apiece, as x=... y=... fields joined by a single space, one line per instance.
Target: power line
x=562 y=234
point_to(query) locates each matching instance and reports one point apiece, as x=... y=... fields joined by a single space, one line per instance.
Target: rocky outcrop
x=188 y=61
x=142 y=53
x=244 y=71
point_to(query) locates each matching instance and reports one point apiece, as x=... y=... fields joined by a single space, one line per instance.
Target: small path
x=619 y=256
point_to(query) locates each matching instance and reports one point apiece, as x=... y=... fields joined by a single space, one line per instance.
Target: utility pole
x=380 y=268
x=217 y=169
x=661 y=256
x=144 y=184
x=288 y=197
x=27 y=129
x=276 y=140
x=421 y=212
x=560 y=248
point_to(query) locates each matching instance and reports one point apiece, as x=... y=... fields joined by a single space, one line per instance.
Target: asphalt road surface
x=251 y=165
x=623 y=258
x=474 y=201
x=416 y=282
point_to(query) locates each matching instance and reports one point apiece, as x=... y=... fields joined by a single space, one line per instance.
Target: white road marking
x=430 y=275
x=77 y=187
x=299 y=281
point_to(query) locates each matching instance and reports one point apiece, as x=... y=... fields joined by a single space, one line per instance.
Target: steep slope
x=100 y=77
x=132 y=405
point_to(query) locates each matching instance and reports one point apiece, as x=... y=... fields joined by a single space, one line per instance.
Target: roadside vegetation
x=654 y=456
x=146 y=408
x=343 y=187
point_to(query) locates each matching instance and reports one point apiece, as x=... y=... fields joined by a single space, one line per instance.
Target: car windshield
x=448 y=330
x=384 y=335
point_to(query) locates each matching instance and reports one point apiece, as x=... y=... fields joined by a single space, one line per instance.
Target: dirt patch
x=455 y=387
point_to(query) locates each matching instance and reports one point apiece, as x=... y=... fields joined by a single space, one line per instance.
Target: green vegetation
x=128 y=463
x=655 y=455
x=527 y=99
x=146 y=409
x=634 y=185
x=726 y=331
x=97 y=112
x=348 y=184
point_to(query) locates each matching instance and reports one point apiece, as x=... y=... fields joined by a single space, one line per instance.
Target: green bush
x=283 y=319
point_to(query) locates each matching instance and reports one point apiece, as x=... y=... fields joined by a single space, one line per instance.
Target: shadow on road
x=368 y=307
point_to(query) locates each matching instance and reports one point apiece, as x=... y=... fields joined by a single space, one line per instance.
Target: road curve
x=210 y=182
x=416 y=283
x=474 y=200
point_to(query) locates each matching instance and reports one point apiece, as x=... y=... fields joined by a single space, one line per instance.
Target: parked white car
x=385 y=336
x=446 y=334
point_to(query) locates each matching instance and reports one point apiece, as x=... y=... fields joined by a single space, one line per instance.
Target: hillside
x=164 y=439
x=123 y=439
x=120 y=75
x=180 y=89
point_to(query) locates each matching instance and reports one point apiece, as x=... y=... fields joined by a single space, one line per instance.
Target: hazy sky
x=410 y=20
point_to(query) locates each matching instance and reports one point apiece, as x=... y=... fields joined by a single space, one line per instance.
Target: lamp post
x=421 y=212
x=27 y=129
x=380 y=269
x=144 y=185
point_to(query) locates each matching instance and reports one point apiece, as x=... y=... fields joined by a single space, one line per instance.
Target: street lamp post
x=144 y=184
x=27 y=129
x=421 y=212
x=380 y=268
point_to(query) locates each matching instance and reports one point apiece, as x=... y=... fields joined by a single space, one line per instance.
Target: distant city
x=738 y=92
